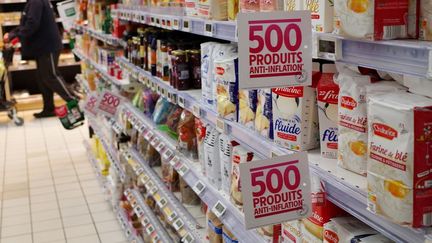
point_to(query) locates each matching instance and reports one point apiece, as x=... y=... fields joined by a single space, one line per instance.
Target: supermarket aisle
x=48 y=190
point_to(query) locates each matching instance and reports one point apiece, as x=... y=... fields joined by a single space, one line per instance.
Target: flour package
x=327 y=96
x=224 y=72
x=225 y=155
x=247 y=107
x=239 y=155
x=212 y=9
x=212 y=160
x=321 y=13
x=426 y=20
x=264 y=113
x=374 y=19
x=418 y=85
x=295 y=119
x=291 y=232
x=348 y=229
x=400 y=162
x=226 y=88
x=207 y=72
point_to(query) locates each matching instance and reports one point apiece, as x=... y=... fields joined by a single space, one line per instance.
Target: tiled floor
x=48 y=190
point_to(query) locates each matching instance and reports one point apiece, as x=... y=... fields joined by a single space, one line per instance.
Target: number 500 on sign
x=275 y=190
x=276 y=49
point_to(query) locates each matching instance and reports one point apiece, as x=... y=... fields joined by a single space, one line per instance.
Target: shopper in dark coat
x=41 y=40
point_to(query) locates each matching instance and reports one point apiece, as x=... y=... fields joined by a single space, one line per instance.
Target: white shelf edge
x=106 y=38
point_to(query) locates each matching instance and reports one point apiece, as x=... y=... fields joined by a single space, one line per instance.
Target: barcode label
x=394 y=31
x=219 y=209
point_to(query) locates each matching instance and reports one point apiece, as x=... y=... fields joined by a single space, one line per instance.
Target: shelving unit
x=107 y=38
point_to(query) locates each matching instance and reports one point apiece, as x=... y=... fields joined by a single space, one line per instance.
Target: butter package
x=291 y=232
x=426 y=20
x=321 y=13
x=264 y=113
x=226 y=87
x=372 y=19
x=247 y=107
x=327 y=96
x=399 y=178
x=293 y=5
x=295 y=119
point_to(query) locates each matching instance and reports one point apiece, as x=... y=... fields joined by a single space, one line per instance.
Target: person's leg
x=47 y=93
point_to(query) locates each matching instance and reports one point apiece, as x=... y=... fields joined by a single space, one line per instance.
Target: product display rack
x=107 y=38
x=346 y=189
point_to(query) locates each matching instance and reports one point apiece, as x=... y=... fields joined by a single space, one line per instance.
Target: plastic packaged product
x=264 y=113
x=191 y=8
x=187 y=194
x=233 y=8
x=169 y=175
x=371 y=19
x=247 y=107
x=418 y=85
x=212 y=160
x=426 y=20
x=239 y=155
x=194 y=59
x=200 y=132
x=248 y=6
x=187 y=138
x=270 y=5
x=291 y=232
x=292 y=5
x=270 y=233
x=214 y=228
x=399 y=164
x=295 y=118
x=222 y=53
x=327 y=96
x=212 y=9
x=207 y=72
x=162 y=110
x=180 y=71
x=350 y=229
x=152 y=156
x=227 y=236
x=227 y=88
x=322 y=14
x=225 y=156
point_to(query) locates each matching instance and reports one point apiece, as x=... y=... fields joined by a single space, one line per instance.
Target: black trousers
x=50 y=80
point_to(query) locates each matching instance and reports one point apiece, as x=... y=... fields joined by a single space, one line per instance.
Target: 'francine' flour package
x=327 y=96
x=400 y=158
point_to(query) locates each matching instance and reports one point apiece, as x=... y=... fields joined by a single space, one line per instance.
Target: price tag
x=196 y=110
x=139 y=211
x=270 y=179
x=127 y=233
x=175 y=23
x=164 y=92
x=154 y=141
x=175 y=161
x=188 y=238
x=155 y=238
x=139 y=171
x=153 y=20
x=181 y=102
x=158 y=89
x=153 y=190
x=183 y=170
x=328 y=48
x=145 y=221
x=108 y=103
x=169 y=24
x=163 y=23
x=171 y=216
x=178 y=224
x=133 y=202
x=145 y=179
x=150 y=229
x=158 y=22
x=148 y=20
x=219 y=209
x=142 y=19
x=162 y=202
x=208 y=28
x=186 y=25
x=198 y=188
x=173 y=98
x=148 y=135
x=149 y=185
x=160 y=146
x=270 y=34
x=91 y=104
x=167 y=154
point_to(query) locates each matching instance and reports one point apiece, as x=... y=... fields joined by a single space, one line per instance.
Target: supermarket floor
x=48 y=190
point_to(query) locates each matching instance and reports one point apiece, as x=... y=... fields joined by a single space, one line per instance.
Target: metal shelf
x=106 y=38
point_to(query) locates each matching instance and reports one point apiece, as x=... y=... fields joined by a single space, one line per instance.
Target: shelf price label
x=176 y=23
x=181 y=102
x=276 y=51
x=208 y=29
x=150 y=229
x=145 y=221
x=198 y=188
x=108 y=103
x=145 y=179
x=171 y=216
x=183 y=170
x=188 y=238
x=160 y=146
x=167 y=154
x=219 y=209
x=196 y=111
x=276 y=190
x=162 y=202
x=148 y=135
x=178 y=224
x=186 y=25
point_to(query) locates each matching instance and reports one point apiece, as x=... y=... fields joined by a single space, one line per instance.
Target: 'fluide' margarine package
x=400 y=162
x=327 y=96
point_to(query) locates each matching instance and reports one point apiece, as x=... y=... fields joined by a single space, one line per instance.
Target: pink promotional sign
x=276 y=190
x=108 y=103
x=275 y=49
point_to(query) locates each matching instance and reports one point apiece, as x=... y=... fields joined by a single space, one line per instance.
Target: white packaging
x=378 y=238
x=207 y=72
x=225 y=155
x=247 y=107
x=426 y=20
x=321 y=13
x=239 y=155
x=264 y=113
x=327 y=97
x=295 y=119
x=330 y=233
x=212 y=160
x=291 y=232
x=293 y=5
x=226 y=88
x=399 y=178
x=418 y=85
x=346 y=229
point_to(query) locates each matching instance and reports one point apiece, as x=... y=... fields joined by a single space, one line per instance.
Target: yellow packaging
x=233 y=8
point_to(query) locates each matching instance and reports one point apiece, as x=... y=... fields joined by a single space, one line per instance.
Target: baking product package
x=321 y=14
x=372 y=19
x=248 y=6
x=247 y=107
x=212 y=9
x=191 y=8
x=239 y=155
x=426 y=20
x=211 y=157
x=293 y=5
x=214 y=228
x=264 y=113
x=225 y=155
x=291 y=232
x=207 y=72
x=399 y=164
x=346 y=229
x=226 y=87
x=327 y=97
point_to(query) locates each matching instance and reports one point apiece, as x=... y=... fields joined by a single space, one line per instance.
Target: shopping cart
x=7 y=103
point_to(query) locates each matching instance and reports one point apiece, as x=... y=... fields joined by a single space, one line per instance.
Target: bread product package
x=322 y=211
x=418 y=85
x=426 y=20
x=213 y=9
x=207 y=72
x=247 y=107
x=226 y=87
x=200 y=133
x=225 y=156
x=191 y=8
x=239 y=155
x=322 y=14
x=270 y=233
x=346 y=229
x=228 y=237
x=295 y=119
x=399 y=165
x=291 y=232
x=211 y=157
x=327 y=96
x=371 y=19
x=233 y=9
x=293 y=5
x=214 y=228
x=264 y=113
